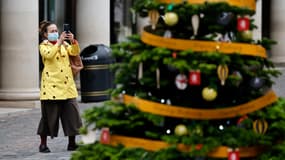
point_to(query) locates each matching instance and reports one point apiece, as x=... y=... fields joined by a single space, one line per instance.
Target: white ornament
x=195 y=25
x=181 y=81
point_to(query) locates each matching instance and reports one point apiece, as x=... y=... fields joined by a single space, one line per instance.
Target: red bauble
x=243 y=24
x=233 y=154
x=241 y=119
x=194 y=78
x=105 y=136
x=174 y=55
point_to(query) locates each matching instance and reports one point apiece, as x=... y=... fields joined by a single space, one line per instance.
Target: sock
x=71 y=140
x=43 y=140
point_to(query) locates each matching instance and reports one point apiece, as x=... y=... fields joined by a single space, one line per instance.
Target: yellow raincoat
x=57 y=81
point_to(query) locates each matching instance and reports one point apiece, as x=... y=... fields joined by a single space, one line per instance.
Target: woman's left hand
x=70 y=36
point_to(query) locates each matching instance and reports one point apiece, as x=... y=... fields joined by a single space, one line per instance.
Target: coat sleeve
x=73 y=49
x=48 y=51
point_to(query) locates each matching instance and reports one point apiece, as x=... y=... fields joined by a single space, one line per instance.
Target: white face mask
x=53 y=36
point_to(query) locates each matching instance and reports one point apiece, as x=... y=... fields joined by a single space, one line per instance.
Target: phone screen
x=66 y=28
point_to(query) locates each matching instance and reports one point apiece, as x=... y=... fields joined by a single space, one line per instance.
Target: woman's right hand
x=62 y=37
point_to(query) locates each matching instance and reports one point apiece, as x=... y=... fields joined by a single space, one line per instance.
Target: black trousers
x=65 y=110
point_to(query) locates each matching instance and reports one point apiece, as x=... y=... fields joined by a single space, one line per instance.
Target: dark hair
x=43 y=27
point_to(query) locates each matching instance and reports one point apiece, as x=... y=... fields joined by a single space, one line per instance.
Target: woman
x=58 y=90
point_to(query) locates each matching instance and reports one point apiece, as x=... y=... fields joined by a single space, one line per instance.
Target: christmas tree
x=194 y=85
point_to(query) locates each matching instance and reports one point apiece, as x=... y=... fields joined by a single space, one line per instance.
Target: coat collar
x=46 y=42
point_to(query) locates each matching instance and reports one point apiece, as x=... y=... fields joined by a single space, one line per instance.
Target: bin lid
x=97 y=52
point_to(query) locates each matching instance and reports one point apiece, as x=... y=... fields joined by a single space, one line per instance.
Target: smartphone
x=66 y=27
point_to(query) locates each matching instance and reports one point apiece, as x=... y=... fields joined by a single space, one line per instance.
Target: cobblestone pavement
x=19 y=141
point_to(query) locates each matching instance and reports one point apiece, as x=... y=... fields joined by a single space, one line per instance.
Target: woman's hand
x=69 y=36
x=66 y=36
x=62 y=37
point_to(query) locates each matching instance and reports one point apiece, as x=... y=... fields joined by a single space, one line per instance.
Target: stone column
x=278 y=30
x=258 y=21
x=93 y=22
x=19 y=68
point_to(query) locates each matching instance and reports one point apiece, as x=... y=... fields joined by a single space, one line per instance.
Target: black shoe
x=44 y=149
x=72 y=147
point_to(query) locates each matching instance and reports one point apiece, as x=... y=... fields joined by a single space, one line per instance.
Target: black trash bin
x=96 y=78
